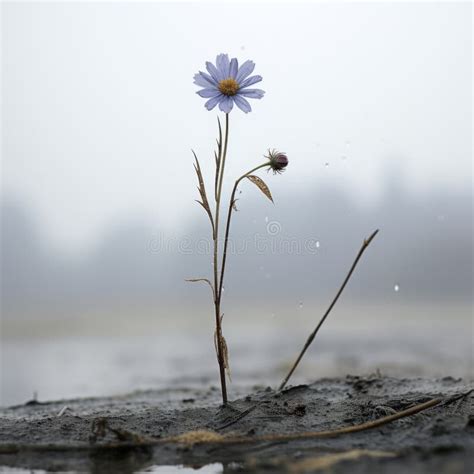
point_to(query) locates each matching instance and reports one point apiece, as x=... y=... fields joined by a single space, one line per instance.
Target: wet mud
x=125 y=434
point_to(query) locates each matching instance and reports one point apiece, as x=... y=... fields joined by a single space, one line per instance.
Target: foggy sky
x=99 y=110
x=424 y=247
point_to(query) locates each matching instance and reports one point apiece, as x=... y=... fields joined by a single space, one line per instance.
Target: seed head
x=278 y=160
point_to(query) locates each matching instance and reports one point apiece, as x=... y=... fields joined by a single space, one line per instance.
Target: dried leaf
x=225 y=352
x=261 y=185
x=205 y=280
x=201 y=187
x=208 y=213
x=202 y=190
x=226 y=357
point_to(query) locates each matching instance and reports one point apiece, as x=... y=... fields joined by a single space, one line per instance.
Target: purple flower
x=227 y=83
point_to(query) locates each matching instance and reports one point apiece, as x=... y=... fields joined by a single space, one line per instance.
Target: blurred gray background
x=371 y=102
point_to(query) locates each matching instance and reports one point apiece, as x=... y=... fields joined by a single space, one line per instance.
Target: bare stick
x=341 y=289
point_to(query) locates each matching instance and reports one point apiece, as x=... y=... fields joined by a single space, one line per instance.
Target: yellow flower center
x=228 y=86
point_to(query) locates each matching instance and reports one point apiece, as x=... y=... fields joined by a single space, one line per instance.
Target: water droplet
x=440 y=218
x=317 y=244
x=348 y=143
x=300 y=306
x=268 y=276
x=326 y=164
x=260 y=268
x=223 y=288
x=272 y=315
x=240 y=191
x=266 y=219
x=396 y=287
x=343 y=157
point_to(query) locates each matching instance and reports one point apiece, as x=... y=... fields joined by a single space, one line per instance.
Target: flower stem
x=219 y=337
x=227 y=229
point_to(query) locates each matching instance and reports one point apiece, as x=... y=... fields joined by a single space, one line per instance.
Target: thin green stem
x=219 y=337
x=218 y=157
x=227 y=229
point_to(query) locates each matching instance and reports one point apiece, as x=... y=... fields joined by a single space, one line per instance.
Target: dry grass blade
x=201 y=187
x=197 y=437
x=208 y=212
x=205 y=280
x=202 y=190
x=261 y=185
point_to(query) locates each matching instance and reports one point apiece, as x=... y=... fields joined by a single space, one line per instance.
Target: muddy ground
x=438 y=440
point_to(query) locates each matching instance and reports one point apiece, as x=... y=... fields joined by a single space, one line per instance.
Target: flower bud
x=278 y=161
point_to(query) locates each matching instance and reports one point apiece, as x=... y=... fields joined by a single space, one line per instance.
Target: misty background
x=99 y=228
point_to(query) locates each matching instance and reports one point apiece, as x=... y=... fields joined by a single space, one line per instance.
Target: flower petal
x=222 y=63
x=250 y=81
x=242 y=104
x=226 y=104
x=213 y=71
x=252 y=93
x=245 y=70
x=204 y=80
x=208 y=92
x=233 y=68
x=212 y=102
